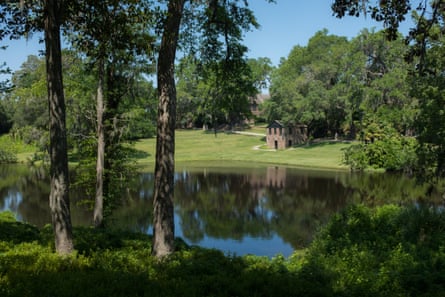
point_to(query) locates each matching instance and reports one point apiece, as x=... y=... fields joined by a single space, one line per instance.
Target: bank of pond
x=383 y=251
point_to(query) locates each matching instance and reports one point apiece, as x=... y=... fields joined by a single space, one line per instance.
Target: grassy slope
x=201 y=146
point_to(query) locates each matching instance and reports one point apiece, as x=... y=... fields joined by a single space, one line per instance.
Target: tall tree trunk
x=100 y=109
x=59 y=196
x=163 y=221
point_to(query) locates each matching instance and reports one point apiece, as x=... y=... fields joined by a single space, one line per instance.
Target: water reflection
x=263 y=211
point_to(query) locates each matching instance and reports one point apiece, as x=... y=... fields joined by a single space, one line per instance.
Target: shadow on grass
x=138 y=154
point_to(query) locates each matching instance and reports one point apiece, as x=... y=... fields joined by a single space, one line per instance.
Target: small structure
x=280 y=136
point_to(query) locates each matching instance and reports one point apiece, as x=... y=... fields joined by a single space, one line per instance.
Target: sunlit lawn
x=197 y=145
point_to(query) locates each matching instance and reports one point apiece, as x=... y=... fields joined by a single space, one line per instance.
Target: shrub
x=7 y=157
x=392 y=154
x=388 y=251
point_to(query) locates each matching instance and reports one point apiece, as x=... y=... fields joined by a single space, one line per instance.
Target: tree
x=22 y=18
x=59 y=194
x=113 y=35
x=28 y=102
x=220 y=24
x=427 y=81
x=261 y=70
x=4 y=84
x=304 y=85
x=430 y=88
x=163 y=221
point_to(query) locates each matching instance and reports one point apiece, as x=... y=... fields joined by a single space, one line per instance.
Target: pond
x=264 y=210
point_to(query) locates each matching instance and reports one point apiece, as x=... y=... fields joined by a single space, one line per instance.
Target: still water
x=240 y=210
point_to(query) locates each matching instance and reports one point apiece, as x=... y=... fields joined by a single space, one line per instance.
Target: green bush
x=388 y=251
x=119 y=263
x=7 y=157
x=16 y=232
x=392 y=154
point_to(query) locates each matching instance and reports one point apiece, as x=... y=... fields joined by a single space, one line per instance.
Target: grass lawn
x=197 y=145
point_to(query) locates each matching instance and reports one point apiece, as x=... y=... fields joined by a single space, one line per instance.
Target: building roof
x=276 y=124
x=279 y=124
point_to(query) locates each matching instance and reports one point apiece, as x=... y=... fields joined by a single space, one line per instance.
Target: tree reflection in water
x=262 y=211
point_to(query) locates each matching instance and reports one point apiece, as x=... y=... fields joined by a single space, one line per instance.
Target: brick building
x=280 y=136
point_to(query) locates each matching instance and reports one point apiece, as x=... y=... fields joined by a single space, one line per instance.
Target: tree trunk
x=59 y=195
x=100 y=109
x=163 y=221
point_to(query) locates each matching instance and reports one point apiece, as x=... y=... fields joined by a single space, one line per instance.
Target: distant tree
x=29 y=103
x=114 y=36
x=226 y=90
x=189 y=99
x=5 y=120
x=430 y=88
x=303 y=86
x=261 y=69
x=426 y=43
x=216 y=93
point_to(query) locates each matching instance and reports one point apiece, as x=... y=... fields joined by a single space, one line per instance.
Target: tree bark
x=100 y=109
x=163 y=221
x=59 y=194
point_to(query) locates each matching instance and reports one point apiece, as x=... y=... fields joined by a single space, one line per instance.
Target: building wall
x=279 y=137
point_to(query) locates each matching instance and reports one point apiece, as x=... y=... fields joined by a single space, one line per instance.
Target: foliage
x=116 y=263
x=218 y=93
x=4 y=85
x=425 y=54
x=387 y=251
x=119 y=174
x=5 y=119
x=15 y=232
x=429 y=86
x=7 y=157
x=391 y=154
x=336 y=86
x=13 y=150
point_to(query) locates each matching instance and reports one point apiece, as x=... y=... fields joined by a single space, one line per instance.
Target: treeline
x=369 y=89
x=24 y=110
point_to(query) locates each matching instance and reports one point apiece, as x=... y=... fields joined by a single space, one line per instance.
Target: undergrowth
x=388 y=251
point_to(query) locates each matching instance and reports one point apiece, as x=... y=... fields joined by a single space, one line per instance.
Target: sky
x=293 y=22
x=285 y=24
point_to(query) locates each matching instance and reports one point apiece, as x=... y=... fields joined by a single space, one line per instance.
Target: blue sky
x=293 y=22
x=283 y=25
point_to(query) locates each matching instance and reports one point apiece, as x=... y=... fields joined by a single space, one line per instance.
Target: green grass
x=202 y=147
x=199 y=146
